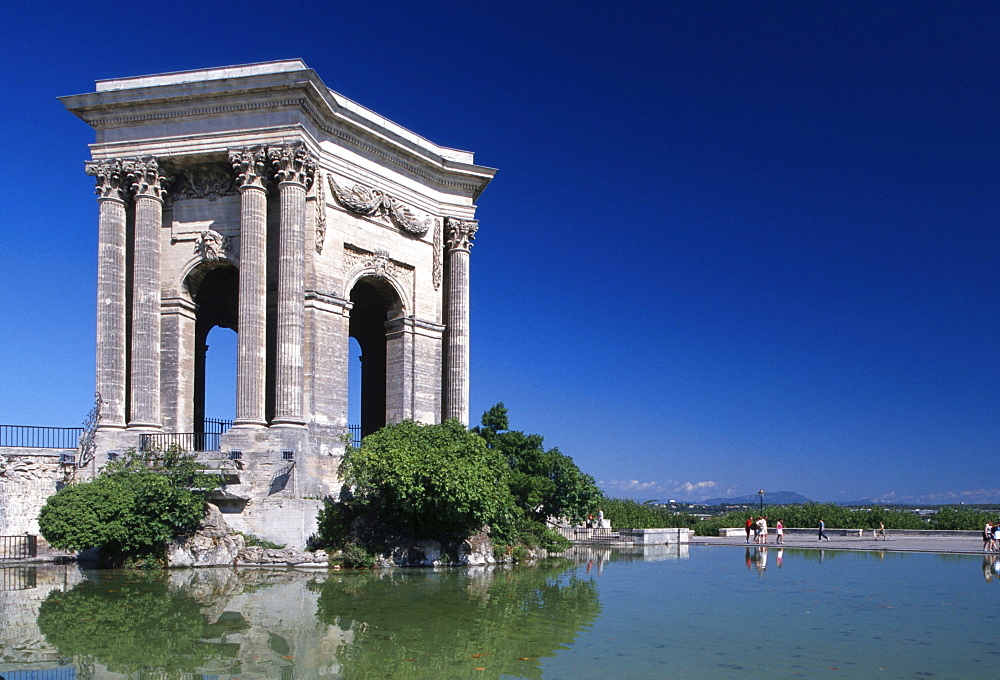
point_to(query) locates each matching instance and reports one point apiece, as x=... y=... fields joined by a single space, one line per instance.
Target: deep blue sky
x=731 y=246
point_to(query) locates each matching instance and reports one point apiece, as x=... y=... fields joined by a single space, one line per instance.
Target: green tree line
x=634 y=515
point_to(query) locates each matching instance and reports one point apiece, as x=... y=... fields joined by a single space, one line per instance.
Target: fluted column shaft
x=460 y=236
x=147 y=185
x=252 y=335
x=110 y=292
x=294 y=170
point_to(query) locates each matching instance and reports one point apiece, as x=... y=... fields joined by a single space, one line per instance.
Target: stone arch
x=213 y=288
x=376 y=311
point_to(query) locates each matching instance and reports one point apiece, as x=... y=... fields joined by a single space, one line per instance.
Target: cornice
x=350 y=124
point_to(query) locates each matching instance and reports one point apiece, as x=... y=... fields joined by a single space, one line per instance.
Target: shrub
x=430 y=480
x=131 y=510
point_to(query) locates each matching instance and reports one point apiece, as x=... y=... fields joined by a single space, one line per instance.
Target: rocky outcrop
x=213 y=544
x=281 y=557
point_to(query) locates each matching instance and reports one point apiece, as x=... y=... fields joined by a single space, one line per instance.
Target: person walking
x=822 y=530
x=749 y=527
x=880 y=531
x=987 y=536
x=763 y=530
x=779 y=534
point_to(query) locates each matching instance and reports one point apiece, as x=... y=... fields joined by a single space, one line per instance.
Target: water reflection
x=293 y=624
x=432 y=625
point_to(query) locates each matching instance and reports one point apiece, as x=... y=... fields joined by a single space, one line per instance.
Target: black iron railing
x=209 y=440
x=18 y=547
x=18 y=578
x=189 y=441
x=355 y=431
x=31 y=437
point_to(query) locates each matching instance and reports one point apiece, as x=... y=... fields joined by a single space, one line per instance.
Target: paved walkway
x=934 y=544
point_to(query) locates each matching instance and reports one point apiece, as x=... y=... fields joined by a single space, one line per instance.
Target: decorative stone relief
x=378 y=263
x=213 y=246
x=461 y=233
x=145 y=178
x=320 y=214
x=205 y=180
x=375 y=203
x=292 y=163
x=250 y=165
x=438 y=264
x=109 y=177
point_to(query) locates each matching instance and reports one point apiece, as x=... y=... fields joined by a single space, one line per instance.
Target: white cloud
x=631 y=486
x=688 y=487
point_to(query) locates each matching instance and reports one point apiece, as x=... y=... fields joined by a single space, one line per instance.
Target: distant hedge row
x=633 y=515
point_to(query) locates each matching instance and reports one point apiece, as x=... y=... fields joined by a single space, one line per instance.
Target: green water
x=703 y=612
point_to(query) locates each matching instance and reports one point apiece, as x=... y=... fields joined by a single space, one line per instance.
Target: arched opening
x=216 y=299
x=375 y=304
x=354 y=387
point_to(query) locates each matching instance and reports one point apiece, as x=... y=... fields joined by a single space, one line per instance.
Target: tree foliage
x=132 y=509
x=545 y=483
x=432 y=480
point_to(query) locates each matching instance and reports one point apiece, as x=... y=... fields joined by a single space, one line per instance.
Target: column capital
x=292 y=163
x=145 y=178
x=461 y=233
x=108 y=174
x=250 y=165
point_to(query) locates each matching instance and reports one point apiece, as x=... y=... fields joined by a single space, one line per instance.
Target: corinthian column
x=294 y=170
x=249 y=164
x=147 y=187
x=110 y=291
x=460 y=236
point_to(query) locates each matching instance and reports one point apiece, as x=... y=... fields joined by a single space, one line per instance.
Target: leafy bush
x=356 y=556
x=432 y=480
x=258 y=542
x=131 y=510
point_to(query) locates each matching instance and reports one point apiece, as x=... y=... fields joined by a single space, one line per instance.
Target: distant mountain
x=770 y=498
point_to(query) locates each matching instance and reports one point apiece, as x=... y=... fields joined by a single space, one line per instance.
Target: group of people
x=991 y=537
x=759 y=529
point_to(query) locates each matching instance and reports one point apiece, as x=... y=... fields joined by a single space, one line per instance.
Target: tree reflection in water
x=501 y=621
x=292 y=624
x=134 y=625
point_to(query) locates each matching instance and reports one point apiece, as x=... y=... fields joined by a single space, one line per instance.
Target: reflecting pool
x=668 y=612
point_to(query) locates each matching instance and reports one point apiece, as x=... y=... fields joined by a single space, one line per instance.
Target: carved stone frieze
x=375 y=203
x=213 y=246
x=438 y=264
x=204 y=180
x=292 y=163
x=320 y=214
x=250 y=165
x=145 y=178
x=380 y=264
x=461 y=233
x=109 y=176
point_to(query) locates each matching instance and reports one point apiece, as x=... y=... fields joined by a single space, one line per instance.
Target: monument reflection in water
x=713 y=612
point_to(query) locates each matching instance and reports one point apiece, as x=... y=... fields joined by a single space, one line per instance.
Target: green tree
x=431 y=480
x=132 y=509
x=546 y=483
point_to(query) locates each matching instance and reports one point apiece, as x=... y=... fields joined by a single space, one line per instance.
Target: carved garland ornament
x=364 y=200
x=438 y=265
x=209 y=180
x=320 y=214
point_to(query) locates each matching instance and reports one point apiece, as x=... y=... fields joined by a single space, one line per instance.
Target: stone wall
x=27 y=478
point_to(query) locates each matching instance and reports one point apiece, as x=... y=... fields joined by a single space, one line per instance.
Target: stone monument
x=255 y=198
